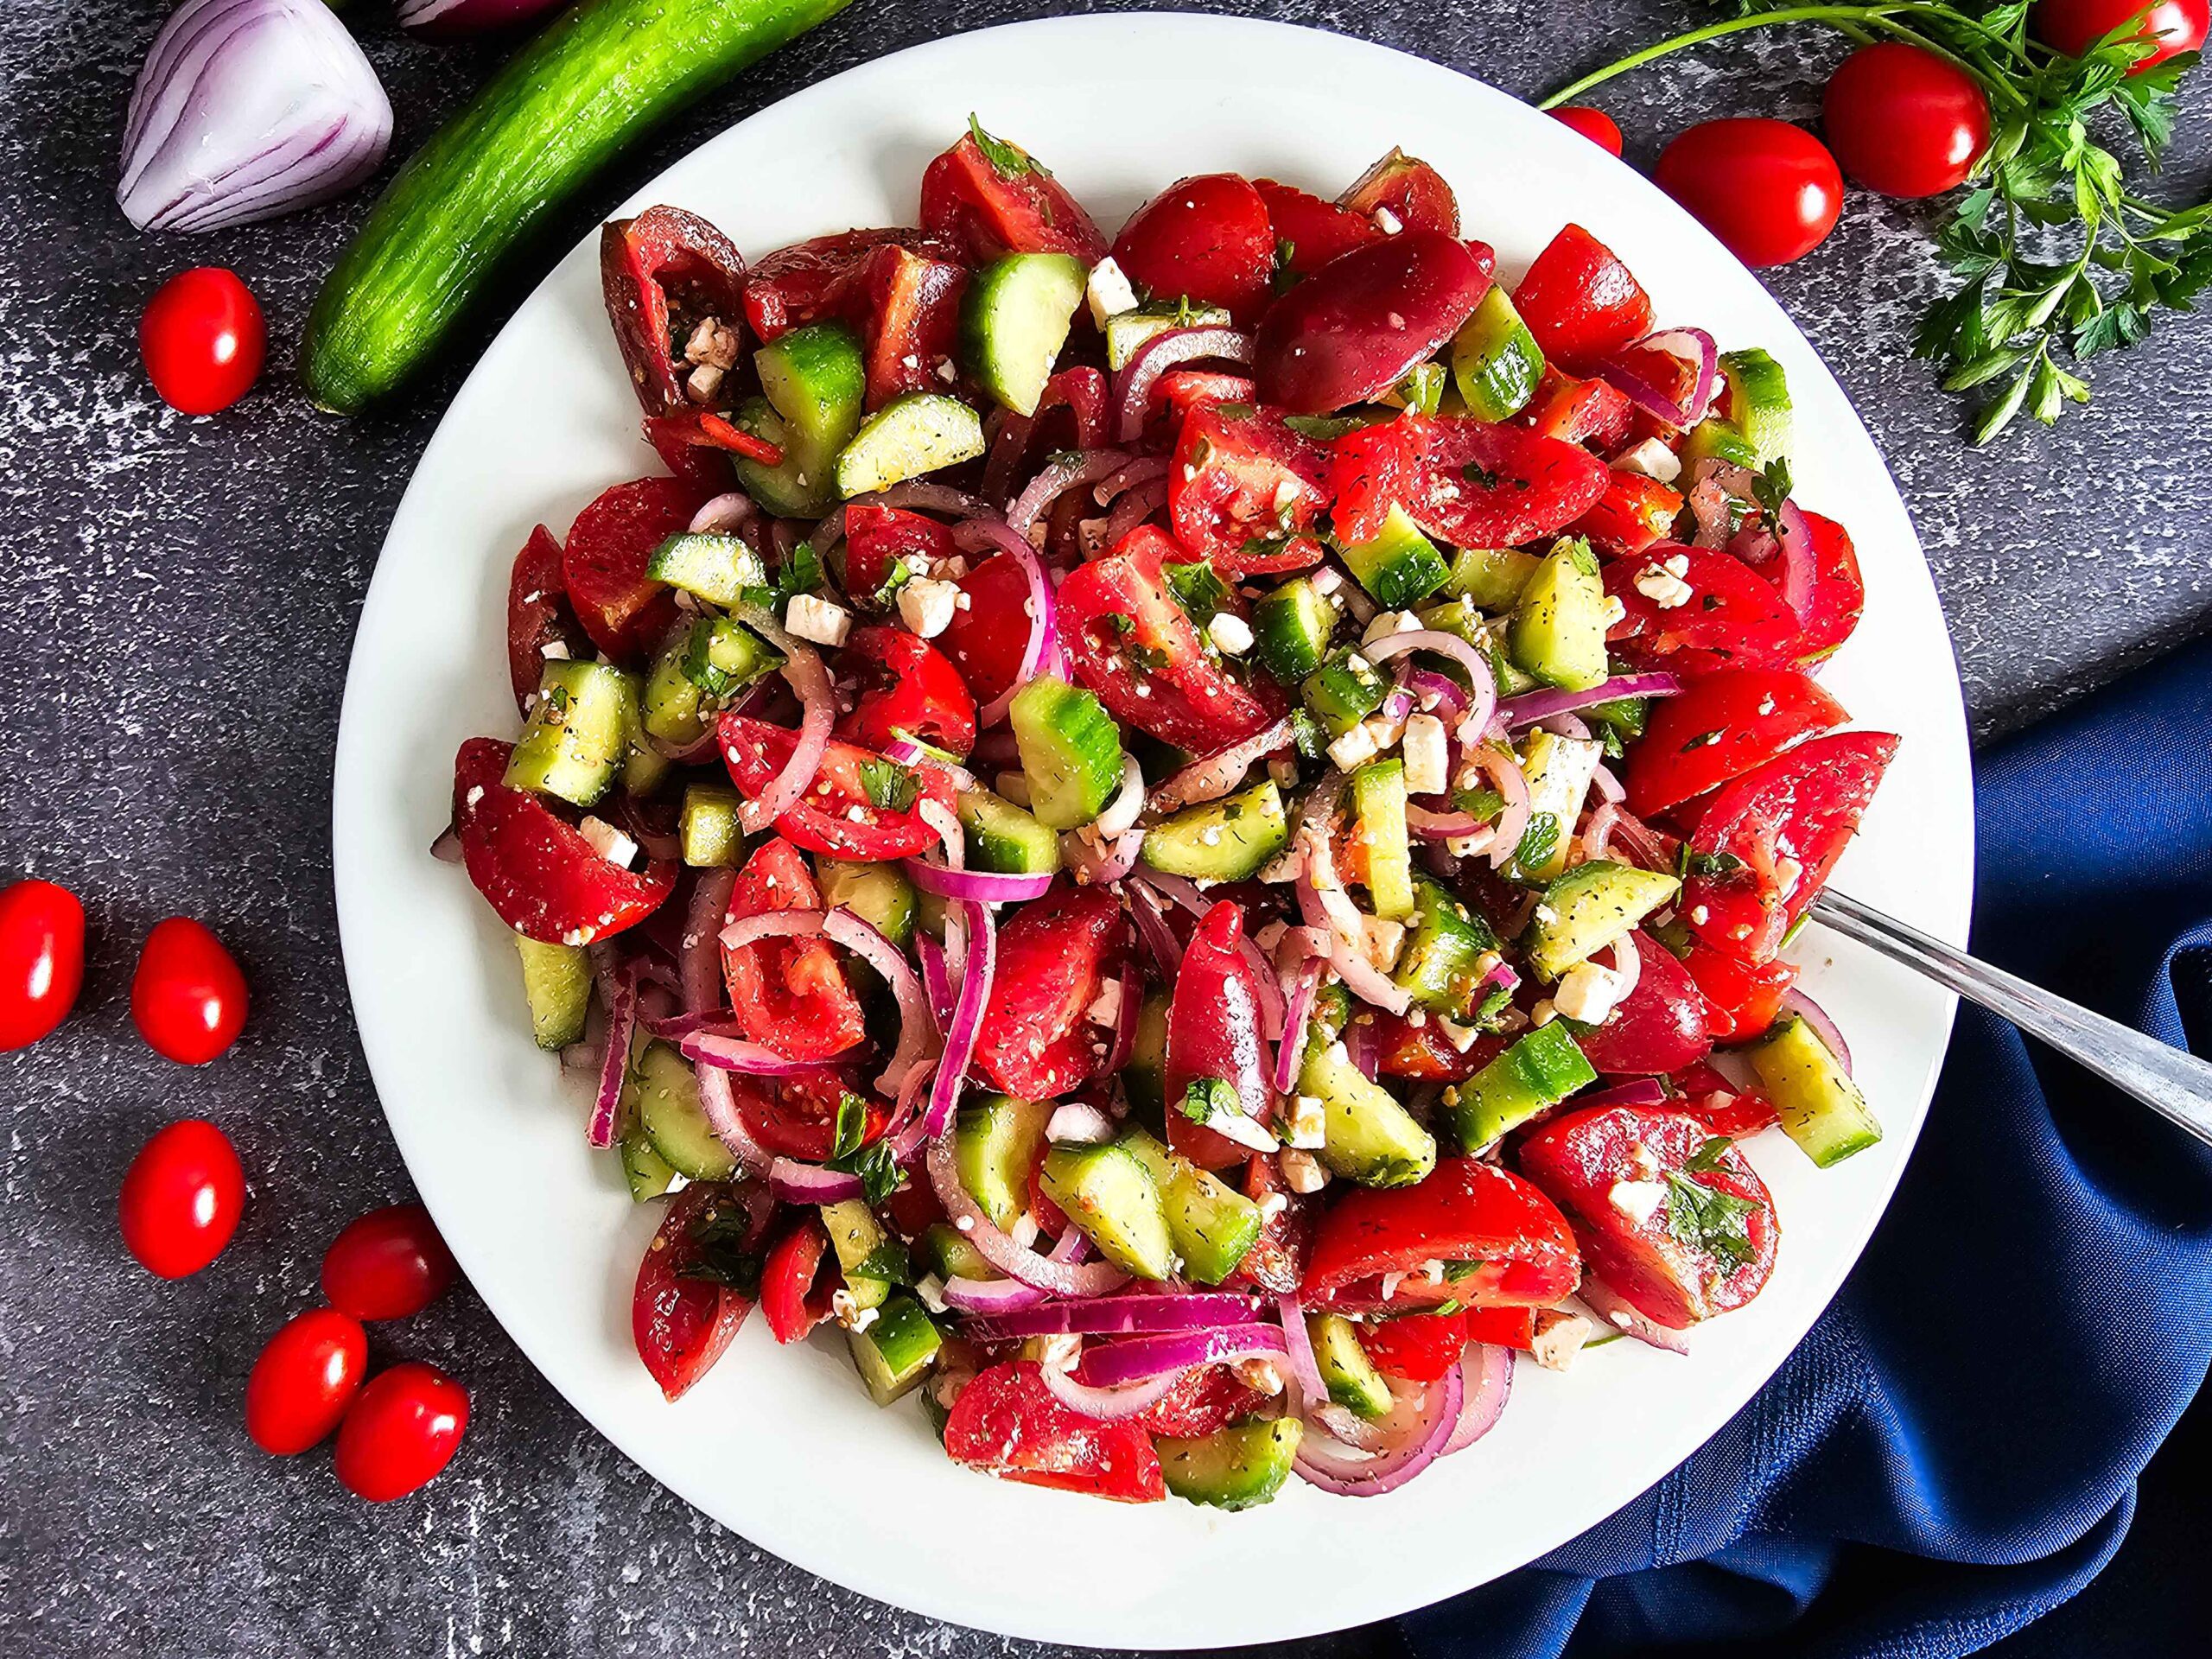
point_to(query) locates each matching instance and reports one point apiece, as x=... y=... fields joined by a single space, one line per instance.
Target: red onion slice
x=725 y=513
x=1126 y=1017
x=1641 y=1091
x=1435 y=691
x=991 y=1296
x=1111 y=1365
x=1061 y=474
x=1125 y=1314
x=1303 y=984
x=1691 y=345
x=1486 y=1370
x=1425 y=825
x=1183 y=893
x=1148 y=909
x=1616 y=1312
x=1059 y=1278
x=977 y=967
x=1329 y=910
x=935 y=981
x=447 y=847
x=800 y=1183
x=978 y=535
x=1137 y=505
x=1796 y=1001
x=1133 y=386
x=1216 y=774
x=803 y=672
x=1409 y=1439
x=1502 y=769
x=1298 y=1343
x=1145 y=469
x=987 y=886
x=619 y=989
x=1532 y=706
x=1109 y=1404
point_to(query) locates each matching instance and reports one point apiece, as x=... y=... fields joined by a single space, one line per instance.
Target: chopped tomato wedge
x=624 y=611
x=1734 y=618
x=1418 y=1347
x=988 y=640
x=1580 y=302
x=906 y=688
x=787 y=995
x=533 y=866
x=1741 y=998
x=1838 y=591
x=836 y=816
x=797 y=1116
x=1213 y=1031
x=1704 y=1242
x=1179 y=391
x=1713 y=1101
x=1405 y=1050
x=827 y=277
x=913 y=321
x=1579 y=411
x=1472 y=484
x=1244 y=490
x=1130 y=644
x=663 y=275
x=1410 y=190
x=1636 y=512
x=1035 y=1041
x=537 y=612
x=1501 y=1243
x=1276 y=1262
x=1720 y=726
x=1004 y=201
x=876 y=539
x=1207 y=239
x=1502 y=1327
x=1205 y=1400
x=794 y=1291
x=685 y=1310
x=1658 y=1027
x=1007 y=1423
x=1309 y=232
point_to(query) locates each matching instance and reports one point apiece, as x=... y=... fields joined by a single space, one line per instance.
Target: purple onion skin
x=446 y=20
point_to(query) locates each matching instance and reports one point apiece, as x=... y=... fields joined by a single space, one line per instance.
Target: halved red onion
x=1059 y=1278
x=802 y=1183
x=1486 y=1371
x=1796 y=1001
x=1615 y=1311
x=1693 y=347
x=1133 y=386
x=1061 y=474
x=1111 y=1365
x=1182 y=891
x=1214 y=775
x=987 y=886
x=979 y=535
x=620 y=991
x=1300 y=986
x=802 y=669
x=1414 y=1435
x=1532 y=706
x=1641 y=1091
x=1298 y=1343
x=1128 y=1313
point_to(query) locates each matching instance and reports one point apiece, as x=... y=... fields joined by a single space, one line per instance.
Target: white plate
x=781 y=1444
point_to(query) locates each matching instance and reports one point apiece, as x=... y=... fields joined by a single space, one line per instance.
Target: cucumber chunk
x=648 y=1173
x=907 y=437
x=1558 y=770
x=1210 y=1225
x=1588 y=908
x=1128 y=331
x=1004 y=838
x=1106 y=1190
x=1070 y=751
x=1757 y=401
x=897 y=1349
x=1014 y=321
x=879 y=894
x=1491 y=578
x=718 y=569
x=707 y=665
x=948 y=1253
x=1227 y=840
x=1353 y=1382
x=1495 y=361
x=995 y=1140
x=1400 y=566
x=1421 y=390
x=1145 y=1078
x=1535 y=1074
x=1441 y=964
x=1378 y=798
x=795 y=488
x=645 y=768
x=1369 y=1136
x=1714 y=439
x=556 y=983
x=1345 y=690
x=1290 y=628
x=871 y=1261
x=662 y=1093
x=578 y=733
x=1557 y=631
x=1822 y=1109
x=708 y=830
x=1236 y=1468
x=816 y=377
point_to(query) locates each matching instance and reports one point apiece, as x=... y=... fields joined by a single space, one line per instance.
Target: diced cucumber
x=1014 y=321
x=707 y=665
x=1822 y=1109
x=1557 y=631
x=1537 y=1073
x=816 y=377
x=1352 y=1381
x=1715 y=439
x=1145 y=1078
x=1624 y=717
x=1757 y=401
x=897 y=1349
x=793 y=488
x=718 y=569
x=870 y=1259
x=1495 y=362
x=994 y=1145
x=1210 y=1225
x=1491 y=578
x=1400 y=566
x=1346 y=690
x=648 y=1173
x=949 y=1252
x=1290 y=628
x=1370 y=1137
x=578 y=732
x=662 y=1094
x=1588 y=908
x=1558 y=770
x=908 y=436
x=1106 y=1190
x=556 y=983
x=879 y=894
x=1227 y=840
x=1378 y=799
x=645 y=768
x=1421 y=391
x=1236 y=1468
x=1004 y=838
x=1071 y=751
x=1332 y=1013
x=1441 y=965
x=1126 y=331
x=707 y=829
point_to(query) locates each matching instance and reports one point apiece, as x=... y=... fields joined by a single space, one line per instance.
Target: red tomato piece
x=1720 y=726
x=1035 y=1041
x=1767 y=840
x=876 y=539
x=1735 y=618
x=1579 y=411
x=684 y=1311
x=1309 y=232
x=1683 y=1262
x=988 y=640
x=1213 y=1031
x=1658 y=1027
x=1580 y=302
x=665 y=275
x=1355 y=328
x=1181 y=392
x=1404 y=1050
x=1742 y=999
x=1838 y=591
x=825 y=276
x=1635 y=513
x=992 y=197
x=624 y=611
x=1409 y=190
x=1472 y=484
x=797 y=1116
x=390 y=1264
x=537 y=613
x=1111 y=610
x=1904 y=122
x=1207 y=239
x=1276 y=1262
x=1595 y=125
x=181 y=1198
x=1465 y=1211
x=1712 y=1101
x=836 y=815
x=2072 y=27
x=1418 y=1347
x=401 y=1431
x=1244 y=490
x=906 y=688
x=1767 y=190
x=187 y=998
x=306 y=1377
x=1502 y=1327
x=202 y=338
x=794 y=1291
x=790 y=996
x=533 y=866
x=41 y=960
x=1007 y=1423
x=1205 y=1400
x=695 y=444
x=913 y=322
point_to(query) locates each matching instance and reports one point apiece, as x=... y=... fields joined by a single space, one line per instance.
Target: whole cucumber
x=564 y=104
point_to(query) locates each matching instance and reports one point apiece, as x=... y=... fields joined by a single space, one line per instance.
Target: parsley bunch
x=2055 y=257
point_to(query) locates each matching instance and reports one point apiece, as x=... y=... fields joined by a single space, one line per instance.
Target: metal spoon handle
x=2174 y=1083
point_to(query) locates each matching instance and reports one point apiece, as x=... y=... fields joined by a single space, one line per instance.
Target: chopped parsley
x=852 y=1126
x=1707 y=1218
x=1197 y=589
x=898 y=576
x=1771 y=489
x=878 y=1171
x=889 y=786
x=721 y=1253
x=1483 y=803
x=1207 y=1098
x=1008 y=161
x=1538 y=842
x=1307 y=735
x=1707 y=864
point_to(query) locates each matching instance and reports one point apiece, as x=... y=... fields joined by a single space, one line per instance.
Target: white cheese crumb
x=1557 y=1338
x=927 y=607
x=1616 y=612
x=1109 y=292
x=1260 y=1376
x=1385 y=938
x=1309 y=1120
x=1788 y=874
x=1428 y=756
x=475 y=794
x=1390 y=1283
x=1230 y=633
x=817 y=620
x=1355 y=747
x=1301 y=1171
x=1387 y=623
x=608 y=842
x=1651 y=458
x=1461 y=1038
x=1637 y=1200
x=1271 y=1205
x=849 y=1311
x=554 y=650
x=1589 y=993
x=1543 y=1014
x=931 y=1289
x=1663 y=588
x=1024 y=1231
x=1387 y=222
x=1700 y=916
x=1679 y=565
x=1059 y=1351
x=1107 y=1009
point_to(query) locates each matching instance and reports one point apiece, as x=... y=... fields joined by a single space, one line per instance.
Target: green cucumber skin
x=538 y=132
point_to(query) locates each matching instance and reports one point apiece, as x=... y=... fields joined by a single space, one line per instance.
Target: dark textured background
x=177 y=600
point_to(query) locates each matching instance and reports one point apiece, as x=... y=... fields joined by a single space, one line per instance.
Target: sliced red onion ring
x=1443 y=826
x=1126 y=1017
x=1500 y=767
x=1181 y=891
x=977 y=967
x=1148 y=909
x=1125 y=1314
x=1799 y=571
x=1413 y=1436
x=1059 y=1278
x=1487 y=1372
x=802 y=669
x=1796 y=1001
x=1111 y=1365
x=1216 y=774
x=915 y=495
x=700 y=964
x=1641 y=1091
x=987 y=886
x=991 y=1296
x=978 y=535
x=1145 y=469
x=1061 y=474
x=934 y=979
x=1532 y=706
x=1302 y=984
x=1094 y=866
x=800 y=1183
x=619 y=989
x=1133 y=386
x=1108 y=1405
x=726 y=512
x=1616 y=1312
x=1691 y=345
x=1327 y=908
x=735 y=1054
x=1298 y=1342
x=907 y=753
x=1451 y=698
x=1135 y=505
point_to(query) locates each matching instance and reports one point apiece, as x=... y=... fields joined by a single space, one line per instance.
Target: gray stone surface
x=176 y=602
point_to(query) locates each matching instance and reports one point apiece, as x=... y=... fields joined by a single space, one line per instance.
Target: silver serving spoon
x=2173 y=1083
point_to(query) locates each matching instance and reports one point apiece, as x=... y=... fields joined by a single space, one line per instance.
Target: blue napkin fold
x=1954 y=1449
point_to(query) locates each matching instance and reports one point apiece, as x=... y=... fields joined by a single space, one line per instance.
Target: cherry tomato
x=2074 y=26
x=992 y=198
x=1502 y=1327
x=401 y=1431
x=1735 y=618
x=1244 y=490
x=906 y=688
x=203 y=339
x=1580 y=302
x=794 y=1291
x=1418 y=1347
x=1838 y=591
x=1579 y=411
x=684 y=1311
x=1713 y=1100
x=1410 y=190
x=663 y=273
x=1213 y=1031
x=1276 y=1262
x=539 y=613
x=797 y=1116
x=1355 y=328
x=1465 y=1212
x=1636 y=512
x=182 y=1197
x=1904 y=122
x=1720 y=726
x=1769 y=190
x=41 y=960
x=1741 y=998
x=837 y=816
x=625 y=611
x=1035 y=1040
x=824 y=276
x=187 y=998
x=390 y=1264
x=876 y=539
x=1008 y=1423
x=1595 y=125
x=1423 y=1051
x=1207 y=239
x=1181 y=392
x=1473 y=484
x=1658 y=1027
x=305 y=1379
x=986 y=641
x=913 y=321
x=790 y=996
x=1313 y=231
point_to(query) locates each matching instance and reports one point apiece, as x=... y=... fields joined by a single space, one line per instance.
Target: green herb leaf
x=1197 y=589
x=1207 y=1098
x=1538 y=842
x=878 y=1171
x=1771 y=487
x=1706 y=1218
x=889 y=786
x=852 y=1126
x=1008 y=161
x=721 y=1254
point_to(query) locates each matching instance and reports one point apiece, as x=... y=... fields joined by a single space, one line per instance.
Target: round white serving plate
x=781 y=1444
